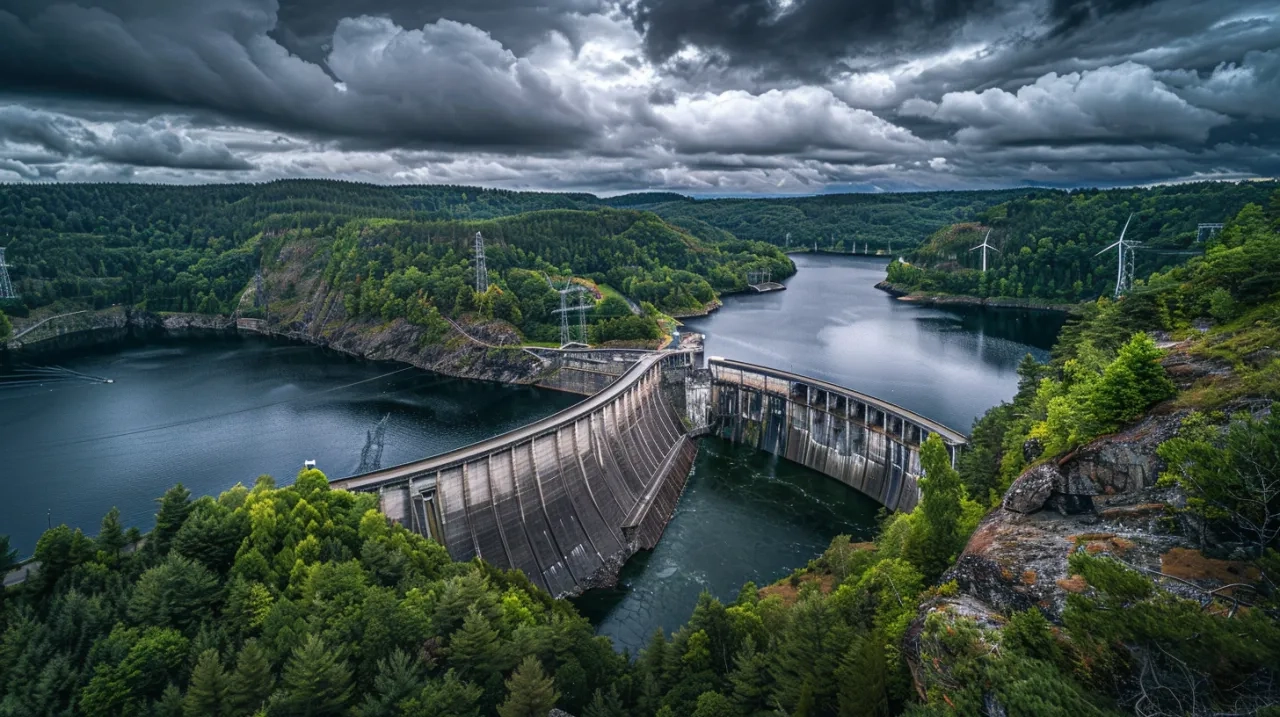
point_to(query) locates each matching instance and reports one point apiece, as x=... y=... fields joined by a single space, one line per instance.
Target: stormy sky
x=698 y=96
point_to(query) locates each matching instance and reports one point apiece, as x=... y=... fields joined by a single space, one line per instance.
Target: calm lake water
x=212 y=412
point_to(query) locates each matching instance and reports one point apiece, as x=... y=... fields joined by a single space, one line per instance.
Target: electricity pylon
x=984 y=246
x=581 y=307
x=1124 y=260
x=6 y=288
x=482 y=273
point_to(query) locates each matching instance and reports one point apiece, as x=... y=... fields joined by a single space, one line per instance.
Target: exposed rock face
x=1032 y=489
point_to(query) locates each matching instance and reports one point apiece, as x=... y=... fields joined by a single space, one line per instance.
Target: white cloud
x=777 y=121
x=1122 y=102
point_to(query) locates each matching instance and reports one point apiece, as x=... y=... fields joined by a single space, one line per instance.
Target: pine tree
x=530 y=693
x=174 y=508
x=317 y=682
x=605 y=704
x=399 y=678
x=111 y=535
x=475 y=650
x=207 y=693
x=941 y=495
x=251 y=683
x=863 y=678
x=751 y=680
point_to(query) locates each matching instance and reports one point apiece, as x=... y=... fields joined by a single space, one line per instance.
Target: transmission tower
x=371 y=455
x=1124 y=260
x=1209 y=229
x=582 y=306
x=482 y=273
x=984 y=246
x=6 y=288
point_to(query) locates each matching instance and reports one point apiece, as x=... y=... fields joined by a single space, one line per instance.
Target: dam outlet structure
x=569 y=498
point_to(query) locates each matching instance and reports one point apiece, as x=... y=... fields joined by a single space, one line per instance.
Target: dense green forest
x=1047 y=243
x=103 y=244
x=836 y=222
x=304 y=601
x=402 y=252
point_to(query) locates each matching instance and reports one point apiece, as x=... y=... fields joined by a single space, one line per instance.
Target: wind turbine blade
x=1126 y=226
x=994 y=249
x=976 y=247
x=1104 y=251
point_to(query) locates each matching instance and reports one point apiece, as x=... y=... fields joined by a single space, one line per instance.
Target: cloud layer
x=711 y=96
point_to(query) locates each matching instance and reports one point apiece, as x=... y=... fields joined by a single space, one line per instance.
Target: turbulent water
x=748 y=516
x=212 y=412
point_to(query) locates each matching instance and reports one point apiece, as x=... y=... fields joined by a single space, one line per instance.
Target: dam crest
x=569 y=498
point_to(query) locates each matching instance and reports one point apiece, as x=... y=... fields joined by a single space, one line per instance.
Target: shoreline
x=934 y=299
x=396 y=342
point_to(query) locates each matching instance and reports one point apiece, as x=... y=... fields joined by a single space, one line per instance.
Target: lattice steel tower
x=6 y=288
x=1124 y=260
x=482 y=273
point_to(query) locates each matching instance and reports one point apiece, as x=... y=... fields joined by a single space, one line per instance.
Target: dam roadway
x=567 y=499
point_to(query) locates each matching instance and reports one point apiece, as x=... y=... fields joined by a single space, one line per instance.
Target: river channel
x=210 y=412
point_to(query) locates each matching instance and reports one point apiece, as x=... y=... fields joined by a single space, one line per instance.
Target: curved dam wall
x=566 y=499
x=869 y=444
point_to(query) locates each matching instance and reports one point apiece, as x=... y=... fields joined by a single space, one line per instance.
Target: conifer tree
x=111 y=536
x=175 y=505
x=207 y=693
x=941 y=496
x=317 y=682
x=863 y=678
x=251 y=682
x=475 y=650
x=605 y=704
x=530 y=692
x=751 y=680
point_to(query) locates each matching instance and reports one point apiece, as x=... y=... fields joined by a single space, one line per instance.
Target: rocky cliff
x=1104 y=499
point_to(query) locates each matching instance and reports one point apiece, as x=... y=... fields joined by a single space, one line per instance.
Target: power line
x=6 y=288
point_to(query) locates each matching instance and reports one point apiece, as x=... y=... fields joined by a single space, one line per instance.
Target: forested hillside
x=836 y=222
x=1047 y=243
x=401 y=252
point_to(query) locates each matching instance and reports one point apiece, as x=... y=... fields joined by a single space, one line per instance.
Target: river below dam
x=216 y=410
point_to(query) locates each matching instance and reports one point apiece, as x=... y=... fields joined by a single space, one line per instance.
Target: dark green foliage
x=317 y=682
x=174 y=508
x=941 y=497
x=880 y=221
x=251 y=683
x=324 y=608
x=530 y=692
x=207 y=692
x=6 y=328
x=1181 y=656
x=1232 y=476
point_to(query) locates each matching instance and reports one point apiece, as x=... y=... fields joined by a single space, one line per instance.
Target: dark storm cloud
x=306 y=26
x=718 y=96
x=445 y=83
x=798 y=37
x=58 y=138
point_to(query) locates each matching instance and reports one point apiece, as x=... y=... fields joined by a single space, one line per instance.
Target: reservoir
x=210 y=412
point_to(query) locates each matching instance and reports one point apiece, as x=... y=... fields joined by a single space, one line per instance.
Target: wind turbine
x=1124 y=279
x=984 y=246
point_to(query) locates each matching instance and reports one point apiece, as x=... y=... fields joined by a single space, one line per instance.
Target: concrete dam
x=569 y=498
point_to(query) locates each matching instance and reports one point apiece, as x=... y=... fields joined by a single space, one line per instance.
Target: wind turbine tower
x=984 y=246
x=1124 y=260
